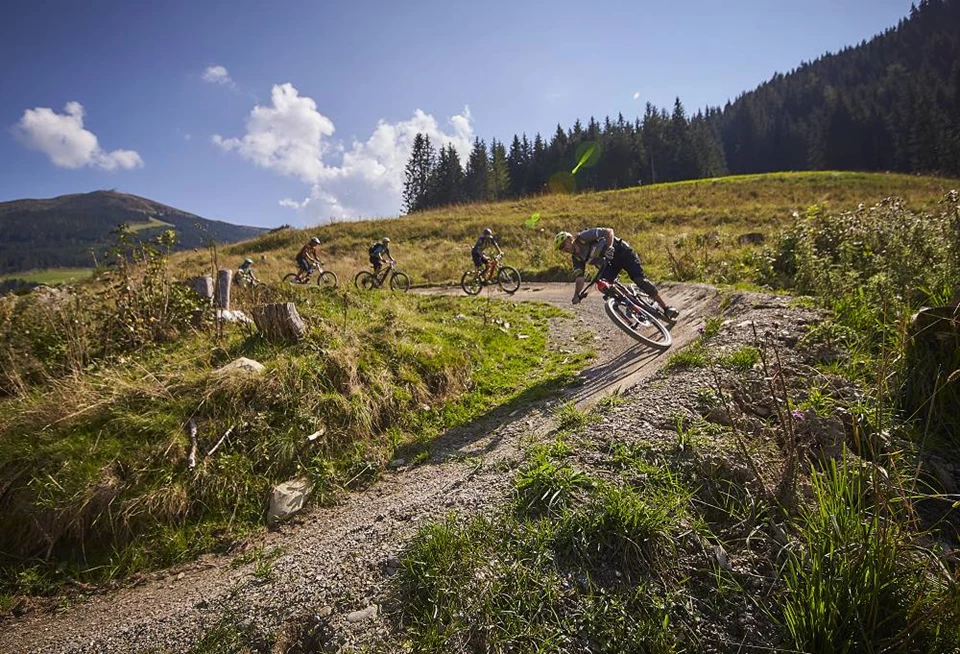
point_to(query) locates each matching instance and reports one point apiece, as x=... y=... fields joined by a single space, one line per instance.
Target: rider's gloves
x=608 y=253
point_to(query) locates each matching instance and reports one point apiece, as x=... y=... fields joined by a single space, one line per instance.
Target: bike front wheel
x=637 y=323
x=327 y=279
x=399 y=281
x=365 y=281
x=472 y=282
x=508 y=279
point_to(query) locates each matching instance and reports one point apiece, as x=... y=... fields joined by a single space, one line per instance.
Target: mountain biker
x=480 y=259
x=599 y=247
x=306 y=259
x=245 y=272
x=380 y=252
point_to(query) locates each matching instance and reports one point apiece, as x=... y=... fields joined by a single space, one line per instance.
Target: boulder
x=288 y=498
x=242 y=365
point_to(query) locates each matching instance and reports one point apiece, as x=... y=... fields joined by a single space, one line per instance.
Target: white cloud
x=293 y=204
x=63 y=138
x=636 y=96
x=217 y=75
x=292 y=137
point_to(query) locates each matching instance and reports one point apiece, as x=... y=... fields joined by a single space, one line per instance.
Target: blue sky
x=297 y=111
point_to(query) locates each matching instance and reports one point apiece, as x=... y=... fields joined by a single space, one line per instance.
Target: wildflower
x=797 y=415
x=700 y=330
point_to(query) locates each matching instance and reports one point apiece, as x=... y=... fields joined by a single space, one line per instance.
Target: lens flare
x=532 y=220
x=588 y=153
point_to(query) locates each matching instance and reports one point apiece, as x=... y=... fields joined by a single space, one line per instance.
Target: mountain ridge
x=75 y=229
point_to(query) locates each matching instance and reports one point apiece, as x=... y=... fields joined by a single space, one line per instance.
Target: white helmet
x=315 y=240
x=561 y=238
x=487 y=231
x=385 y=240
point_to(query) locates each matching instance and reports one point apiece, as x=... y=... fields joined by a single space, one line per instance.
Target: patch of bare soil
x=320 y=580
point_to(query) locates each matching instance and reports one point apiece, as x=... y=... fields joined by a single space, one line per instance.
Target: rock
x=242 y=365
x=226 y=315
x=751 y=238
x=396 y=463
x=365 y=614
x=325 y=612
x=288 y=498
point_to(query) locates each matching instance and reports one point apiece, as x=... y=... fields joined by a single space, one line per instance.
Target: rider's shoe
x=671 y=313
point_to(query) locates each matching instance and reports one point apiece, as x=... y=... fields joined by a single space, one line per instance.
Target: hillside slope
x=63 y=231
x=701 y=222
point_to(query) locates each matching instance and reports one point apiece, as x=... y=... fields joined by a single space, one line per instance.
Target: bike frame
x=619 y=289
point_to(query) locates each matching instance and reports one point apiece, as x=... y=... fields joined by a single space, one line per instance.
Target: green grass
x=742 y=359
x=95 y=465
x=692 y=356
x=857 y=581
x=52 y=276
x=556 y=581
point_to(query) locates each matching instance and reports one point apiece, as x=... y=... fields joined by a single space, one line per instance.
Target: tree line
x=892 y=103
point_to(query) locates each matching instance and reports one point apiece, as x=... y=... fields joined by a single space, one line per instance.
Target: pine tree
x=477 y=177
x=499 y=174
x=418 y=174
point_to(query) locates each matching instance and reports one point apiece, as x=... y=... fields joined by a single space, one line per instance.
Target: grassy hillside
x=434 y=246
x=70 y=231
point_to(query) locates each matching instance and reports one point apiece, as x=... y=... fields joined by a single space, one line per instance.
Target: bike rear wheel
x=508 y=279
x=399 y=281
x=365 y=281
x=472 y=282
x=291 y=278
x=328 y=279
x=638 y=323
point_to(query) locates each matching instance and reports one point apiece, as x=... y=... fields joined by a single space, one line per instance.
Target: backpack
x=374 y=249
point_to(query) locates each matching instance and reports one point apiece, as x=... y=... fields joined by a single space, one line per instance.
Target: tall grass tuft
x=858 y=580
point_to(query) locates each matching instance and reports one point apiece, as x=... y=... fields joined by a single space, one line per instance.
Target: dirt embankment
x=332 y=563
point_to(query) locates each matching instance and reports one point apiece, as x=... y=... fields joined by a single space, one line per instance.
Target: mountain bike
x=633 y=311
x=398 y=280
x=325 y=278
x=246 y=279
x=506 y=277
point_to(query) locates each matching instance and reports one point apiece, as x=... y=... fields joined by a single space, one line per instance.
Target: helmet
x=487 y=232
x=248 y=261
x=315 y=240
x=561 y=238
x=385 y=240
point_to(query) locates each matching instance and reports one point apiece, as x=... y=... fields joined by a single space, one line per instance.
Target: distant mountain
x=67 y=231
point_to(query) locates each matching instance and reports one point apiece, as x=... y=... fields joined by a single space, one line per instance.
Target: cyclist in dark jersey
x=306 y=257
x=380 y=252
x=599 y=247
x=480 y=260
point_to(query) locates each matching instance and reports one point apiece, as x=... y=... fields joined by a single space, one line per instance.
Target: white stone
x=242 y=364
x=288 y=498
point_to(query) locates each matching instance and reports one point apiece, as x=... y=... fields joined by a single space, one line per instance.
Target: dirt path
x=334 y=561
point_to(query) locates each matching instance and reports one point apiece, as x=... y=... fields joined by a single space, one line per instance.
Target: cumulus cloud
x=217 y=75
x=292 y=137
x=64 y=140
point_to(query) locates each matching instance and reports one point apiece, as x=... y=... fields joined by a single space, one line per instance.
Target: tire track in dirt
x=336 y=560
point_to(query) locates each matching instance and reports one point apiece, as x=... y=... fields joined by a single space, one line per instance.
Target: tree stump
x=203 y=286
x=279 y=322
x=222 y=297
